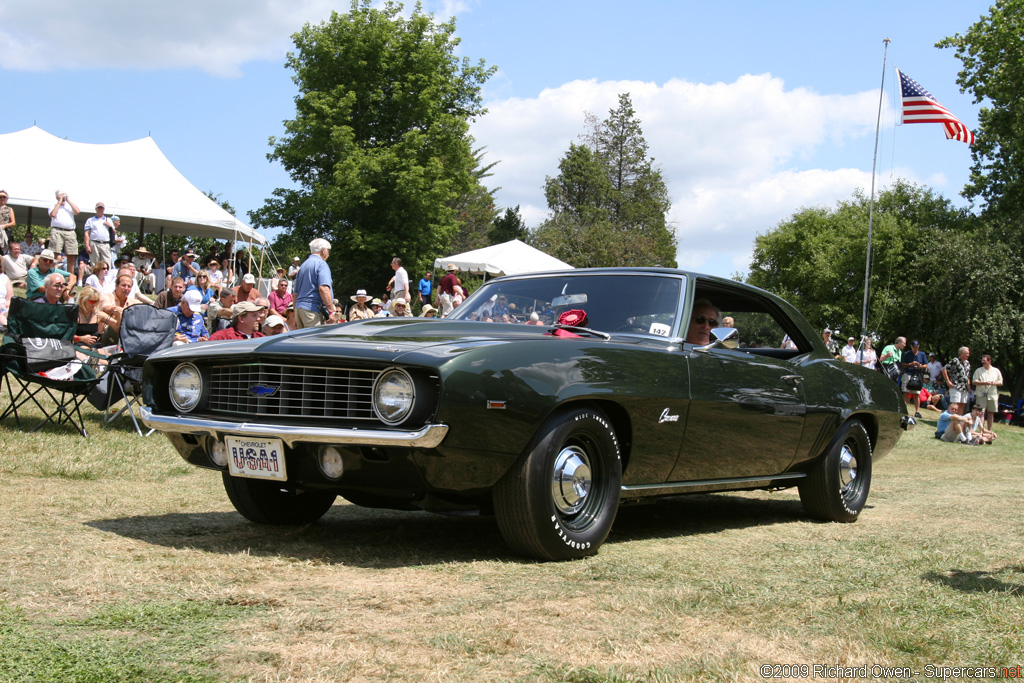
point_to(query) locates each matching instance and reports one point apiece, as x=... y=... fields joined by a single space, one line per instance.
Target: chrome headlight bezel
x=189 y=402
x=394 y=396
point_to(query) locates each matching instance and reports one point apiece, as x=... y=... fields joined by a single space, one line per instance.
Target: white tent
x=134 y=180
x=507 y=258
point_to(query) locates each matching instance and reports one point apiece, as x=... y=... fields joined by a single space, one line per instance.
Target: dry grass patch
x=115 y=547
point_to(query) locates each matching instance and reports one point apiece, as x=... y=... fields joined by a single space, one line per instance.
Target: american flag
x=920 y=106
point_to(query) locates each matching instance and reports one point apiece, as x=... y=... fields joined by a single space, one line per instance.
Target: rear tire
x=268 y=502
x=559 y=500
x=836 y=489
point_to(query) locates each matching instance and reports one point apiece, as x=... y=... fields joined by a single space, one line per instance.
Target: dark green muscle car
x=546 y=400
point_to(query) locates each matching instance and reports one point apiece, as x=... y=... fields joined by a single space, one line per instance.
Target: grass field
x=121 y=563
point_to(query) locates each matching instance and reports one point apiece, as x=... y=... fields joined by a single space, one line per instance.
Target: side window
x=763 y=327
x=759 y=330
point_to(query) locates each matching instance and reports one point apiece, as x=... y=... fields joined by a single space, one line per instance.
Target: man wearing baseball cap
x=186 y=268
x=446 y=290
x=191 y=327
x=245 y=317
x=34 y=286
x=98 y=231
x=247 y=291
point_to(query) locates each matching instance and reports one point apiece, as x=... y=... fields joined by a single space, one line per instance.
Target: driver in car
x=704 y=319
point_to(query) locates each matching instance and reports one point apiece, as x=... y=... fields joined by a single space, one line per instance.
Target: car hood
x=384 y=339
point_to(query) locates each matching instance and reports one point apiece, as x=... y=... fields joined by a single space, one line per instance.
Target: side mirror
x=722 y=338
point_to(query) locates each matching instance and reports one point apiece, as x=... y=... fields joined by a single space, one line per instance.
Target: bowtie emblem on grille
x=262 y=390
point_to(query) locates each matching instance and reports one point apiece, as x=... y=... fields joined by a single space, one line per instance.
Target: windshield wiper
x=583 y=330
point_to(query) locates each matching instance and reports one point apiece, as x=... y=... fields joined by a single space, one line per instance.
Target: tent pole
x=142 y=229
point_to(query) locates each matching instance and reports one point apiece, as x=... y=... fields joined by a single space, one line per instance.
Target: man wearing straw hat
x=144 y=260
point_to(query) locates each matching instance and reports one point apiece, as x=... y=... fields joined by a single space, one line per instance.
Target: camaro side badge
x=665 y=417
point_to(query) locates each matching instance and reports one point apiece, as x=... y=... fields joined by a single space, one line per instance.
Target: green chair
x=28 y=320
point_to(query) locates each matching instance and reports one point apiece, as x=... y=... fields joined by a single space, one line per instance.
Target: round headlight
x=393 y=396
x=186 y=387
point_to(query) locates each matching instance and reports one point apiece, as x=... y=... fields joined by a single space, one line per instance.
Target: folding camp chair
x=144 y=331
x=28 y=321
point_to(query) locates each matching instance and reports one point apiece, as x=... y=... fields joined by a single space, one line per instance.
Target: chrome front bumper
x=429 y=436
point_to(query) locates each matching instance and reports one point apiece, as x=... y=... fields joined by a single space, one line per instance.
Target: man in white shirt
x=62 y=229
x=17 y=264
x=934 y=370
x=399 y=284
x=144 y=260
x=849 y=351
x=98 y=231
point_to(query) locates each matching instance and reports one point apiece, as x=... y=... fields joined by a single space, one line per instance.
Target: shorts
x=957 y=396
x=64 y=241
x=989 y=405
x=305 y=318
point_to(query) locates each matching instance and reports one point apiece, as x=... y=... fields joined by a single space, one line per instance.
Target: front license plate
x=256 y=458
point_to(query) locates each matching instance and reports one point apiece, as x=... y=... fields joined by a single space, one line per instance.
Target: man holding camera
x=62 y=229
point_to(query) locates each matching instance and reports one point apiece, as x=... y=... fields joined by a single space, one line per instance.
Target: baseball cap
x=244 y=307
x=274 y=321
x=47 y=253
x=99 y=204
x=193 y=298
x=249 y=278
x=826 y=331
x=915 y=343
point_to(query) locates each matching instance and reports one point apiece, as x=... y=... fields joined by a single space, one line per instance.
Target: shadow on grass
x=979 y=581
x=357 y=536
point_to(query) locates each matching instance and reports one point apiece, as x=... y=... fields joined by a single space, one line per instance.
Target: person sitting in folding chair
x=40 y=359
x=144 y=330
x=191 y=328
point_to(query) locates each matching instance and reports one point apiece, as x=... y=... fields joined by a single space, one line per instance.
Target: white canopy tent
x=507 y=258
x=134 y=180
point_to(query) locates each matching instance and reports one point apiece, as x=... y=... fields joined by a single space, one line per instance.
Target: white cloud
x=215 y=36
x=737 y=157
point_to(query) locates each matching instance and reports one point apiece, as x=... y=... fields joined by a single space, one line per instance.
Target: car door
x=745 y=419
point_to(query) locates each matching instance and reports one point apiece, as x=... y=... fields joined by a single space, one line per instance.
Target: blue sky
x=751 y=109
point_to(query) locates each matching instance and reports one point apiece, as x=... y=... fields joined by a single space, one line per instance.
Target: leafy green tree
x=938 y=274
x=507 y=227
x=992 y=55
x=816 y=258
x=475 y=210
x=608 y=202
x=379 y=146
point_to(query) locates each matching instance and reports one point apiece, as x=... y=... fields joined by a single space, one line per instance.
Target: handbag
x=892 y=371
x=42 y=353
x=914 y=382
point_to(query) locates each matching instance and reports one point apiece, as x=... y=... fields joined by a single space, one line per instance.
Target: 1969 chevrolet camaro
x=546 y=400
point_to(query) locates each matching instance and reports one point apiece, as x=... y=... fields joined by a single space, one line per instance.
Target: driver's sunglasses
x=700 y=320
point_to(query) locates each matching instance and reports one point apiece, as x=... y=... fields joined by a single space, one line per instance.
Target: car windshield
x=645 y=304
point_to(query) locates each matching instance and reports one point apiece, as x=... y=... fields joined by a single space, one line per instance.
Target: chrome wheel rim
x=571 y=480
x=847 y=470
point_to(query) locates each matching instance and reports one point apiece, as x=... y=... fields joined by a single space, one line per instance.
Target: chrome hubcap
x=571 y=480
x=847 y=468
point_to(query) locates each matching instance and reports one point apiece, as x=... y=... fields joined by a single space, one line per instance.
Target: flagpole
x=871 y=209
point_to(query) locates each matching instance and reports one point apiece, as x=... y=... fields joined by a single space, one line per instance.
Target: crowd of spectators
x=215 y=297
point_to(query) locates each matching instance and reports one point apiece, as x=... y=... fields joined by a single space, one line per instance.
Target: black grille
x=292 y=391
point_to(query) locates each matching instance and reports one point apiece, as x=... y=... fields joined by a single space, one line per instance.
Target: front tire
x=836 y=489
x=268 y=502
x=559 y=499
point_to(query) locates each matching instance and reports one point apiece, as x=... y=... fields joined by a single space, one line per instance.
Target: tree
x=508 y=227
x=608 y=203
x=475 y=210
x=937 y=275
x=379 y=145
x=993 y=70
